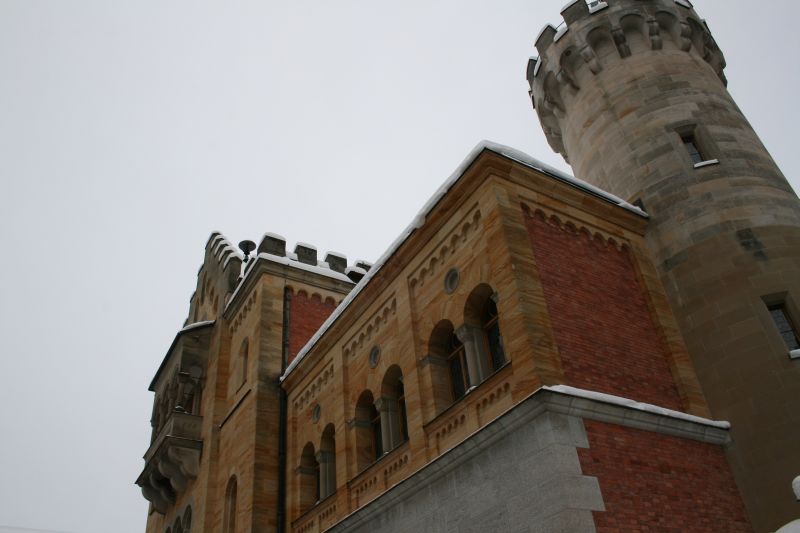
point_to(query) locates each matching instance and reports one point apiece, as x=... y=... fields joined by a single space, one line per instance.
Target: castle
x=533 y=353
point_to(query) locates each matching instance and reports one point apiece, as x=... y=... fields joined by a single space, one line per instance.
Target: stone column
x=390 y=422
x=327 y=473
x=475 y=349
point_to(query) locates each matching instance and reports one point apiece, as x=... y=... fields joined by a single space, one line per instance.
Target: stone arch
x=602 y=43
x=636 y=32
x=677 y=36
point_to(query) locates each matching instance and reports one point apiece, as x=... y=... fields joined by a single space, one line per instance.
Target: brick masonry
x=685 y=487
x=307 y=315
x=601 y=322
x=617 y=95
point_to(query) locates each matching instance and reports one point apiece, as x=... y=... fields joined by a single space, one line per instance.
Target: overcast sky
x=131 y=130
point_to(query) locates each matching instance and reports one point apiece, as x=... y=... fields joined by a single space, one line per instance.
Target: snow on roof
x=419 y=220
x=196 y=325
x=274 y=236
x=632 y=404
x=318 y=269
x=336 y=254
x=305 y=245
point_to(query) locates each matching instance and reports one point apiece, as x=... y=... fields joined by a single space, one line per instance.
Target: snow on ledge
x=196 y=325
x=419 y=220
x=632 y=404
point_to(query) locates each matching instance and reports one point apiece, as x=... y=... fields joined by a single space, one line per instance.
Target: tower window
x=785 y=327
x=692 y=147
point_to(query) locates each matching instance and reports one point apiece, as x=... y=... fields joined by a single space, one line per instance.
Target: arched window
x=309 y=478
x=231 y=507
x=367 y=421
x=327 y=462
x=447 y=360
x=177 y=528
x=491 y=331
x=391 y=406
x=480 y=334
x=243 y=361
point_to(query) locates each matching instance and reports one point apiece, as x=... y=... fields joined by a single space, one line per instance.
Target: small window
x=693 y=148
x=785 y=326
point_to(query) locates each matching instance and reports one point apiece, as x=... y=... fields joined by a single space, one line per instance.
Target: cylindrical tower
x=632 y=94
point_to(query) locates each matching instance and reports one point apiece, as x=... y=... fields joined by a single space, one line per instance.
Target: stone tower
x=632 y=94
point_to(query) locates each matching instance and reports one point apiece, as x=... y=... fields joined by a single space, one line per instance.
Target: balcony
x=172 y=460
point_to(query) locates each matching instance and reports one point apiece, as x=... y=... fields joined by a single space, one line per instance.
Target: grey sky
x=130 y=130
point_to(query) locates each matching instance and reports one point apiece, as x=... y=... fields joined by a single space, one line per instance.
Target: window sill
x=794 y=354
x=708 y=163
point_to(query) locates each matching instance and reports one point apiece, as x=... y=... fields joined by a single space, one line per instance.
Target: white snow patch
x=594 y=7
x=794 y=354
x=419 y=220
x=305 y=245
x=355 y=269
x=322 y=271
x=336 y=254
x=196 y=325
x=796 y=487
x=273 y=236
x=632 y=404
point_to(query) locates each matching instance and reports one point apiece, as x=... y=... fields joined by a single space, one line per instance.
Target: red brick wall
x=306 y=315
x=600 y=319
x=653 y=482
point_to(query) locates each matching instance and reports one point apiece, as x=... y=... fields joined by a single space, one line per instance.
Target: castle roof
x=418 y=221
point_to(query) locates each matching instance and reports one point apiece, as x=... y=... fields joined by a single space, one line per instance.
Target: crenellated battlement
x=599 y=35
x=305 y=256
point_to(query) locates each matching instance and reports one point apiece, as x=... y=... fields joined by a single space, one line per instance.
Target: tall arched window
x=309 y=478
x=481 y=334
x=231 y=507
x=448 y=364
x=243 y=361
x=327 y=462
x=391 y=406
x=491 y=330
x=367 y=422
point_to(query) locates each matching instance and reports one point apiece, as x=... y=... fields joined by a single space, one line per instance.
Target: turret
x=633 y=94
